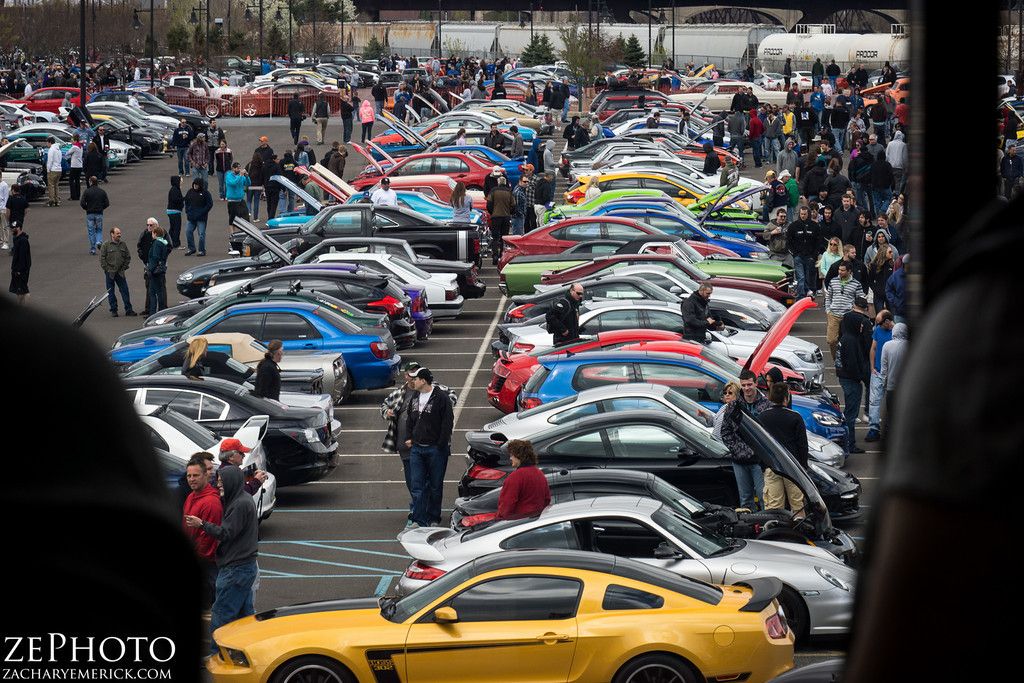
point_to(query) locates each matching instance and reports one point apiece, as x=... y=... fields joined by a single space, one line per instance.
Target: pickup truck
x=428 y=237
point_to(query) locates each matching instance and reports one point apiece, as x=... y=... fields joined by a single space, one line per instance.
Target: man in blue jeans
x=853 y=365
x=804 y=240
x=429 y=426
x=237 y=537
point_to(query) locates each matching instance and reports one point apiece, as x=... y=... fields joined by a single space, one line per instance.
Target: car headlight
x=826 y=419
x=118 y=344
x=759 y=254
x=813 y=466
x=748 y=237
x=742 y=317
x=830 y=577
x=805 y=356
x=238 y=657
x=185 y=277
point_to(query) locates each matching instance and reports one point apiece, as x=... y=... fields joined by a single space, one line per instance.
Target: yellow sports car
x=524 y=616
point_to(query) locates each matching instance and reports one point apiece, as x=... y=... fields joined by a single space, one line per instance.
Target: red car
x=459 y=166
x=49 y=99
x=613 y=103
x=557 y=237
x=780 y=291
x=512 y=370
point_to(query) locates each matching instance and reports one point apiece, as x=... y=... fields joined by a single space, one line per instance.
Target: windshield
x=689 y=533
x=706 y=445
x=401 y=610
x=408 y=267
x=690 y=407
x=680 y=502
x=200 y=436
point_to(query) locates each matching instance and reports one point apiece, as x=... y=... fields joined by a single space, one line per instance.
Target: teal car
x=38 y=140
x=411 y=200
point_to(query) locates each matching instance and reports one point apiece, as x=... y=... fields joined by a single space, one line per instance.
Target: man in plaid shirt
x=393 y=411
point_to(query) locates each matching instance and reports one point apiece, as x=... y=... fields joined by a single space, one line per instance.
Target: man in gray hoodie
x=737 y=127
x=237 y=536
x=894 y=354
x=896 y=155
x=787 y=158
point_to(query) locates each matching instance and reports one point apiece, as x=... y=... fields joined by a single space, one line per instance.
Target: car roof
x=632 y=303
x=277 y=303
x=604 y=504
x=622 y=355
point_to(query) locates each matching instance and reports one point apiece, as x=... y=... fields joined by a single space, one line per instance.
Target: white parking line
x=483 y=352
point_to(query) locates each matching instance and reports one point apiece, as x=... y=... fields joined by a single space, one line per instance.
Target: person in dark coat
x=93 y=163
x=156 y=265
x=175 y=205
x=853 y=364
x=296 y=114
x=256 y=182
x=198 y=202
x=271 y=187
x=268 y=372
x=711 y=161
x=142 y=248
x=21 y=262
x=563 y=318
x=696 y=318
x=787 y=427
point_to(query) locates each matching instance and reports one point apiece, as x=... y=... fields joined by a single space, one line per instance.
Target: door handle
x=309 y=346
x=552 y=638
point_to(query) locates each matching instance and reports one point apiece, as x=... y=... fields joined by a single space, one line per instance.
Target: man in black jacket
x=855 y=265
x=846 y=219
x=563 y=318
x=429 y=423
x=787 y=427
x=268 y=372
x=696 y=319
x=142 y=248
x=803 y=237
x=237 y=536
x=853 y=365
x=296 y=113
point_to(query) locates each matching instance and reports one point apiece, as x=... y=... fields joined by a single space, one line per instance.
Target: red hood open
x=776 y=333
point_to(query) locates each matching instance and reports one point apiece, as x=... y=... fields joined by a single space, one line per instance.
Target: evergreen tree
x=177 y=39
x=276 y=44
x=539 y=51
x=374 y=49
x=633 y=55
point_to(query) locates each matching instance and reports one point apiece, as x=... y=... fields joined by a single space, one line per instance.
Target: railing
x=248 y=105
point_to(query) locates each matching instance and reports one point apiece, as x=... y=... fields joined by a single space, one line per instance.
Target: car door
x=453 y=167
x=690 y=381
x=414 y=167
x=619 y=231
x=570 y=235
x=294 y=331
x=514 y=629
x=244 y=323
x=664 y=320
x=634 y=539
x=342 y=224
x=608 y=321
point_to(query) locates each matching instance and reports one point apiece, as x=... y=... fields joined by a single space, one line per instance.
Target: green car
x=586 y=208
x=20 y=151
x=38 y=141
x=520 y=274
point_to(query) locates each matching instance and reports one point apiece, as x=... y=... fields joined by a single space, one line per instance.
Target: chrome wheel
x=656 y=673
x=313 y=673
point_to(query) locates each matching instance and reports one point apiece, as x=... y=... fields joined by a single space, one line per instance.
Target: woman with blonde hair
x=833 y=253
x=193 y=366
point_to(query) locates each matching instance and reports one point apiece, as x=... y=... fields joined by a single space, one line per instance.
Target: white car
x=442 y=289
x=111 y=106
x=718 y=96
x=182 y=437
x=802 y=78
x=23 y=115
x=771 y=81
x=792 y=352
x=63 y=132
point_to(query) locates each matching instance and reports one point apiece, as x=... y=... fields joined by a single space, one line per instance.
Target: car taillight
x=519 y=312
x=390 y=304
x=777 y=627
x=530 y=402
x=475 y=246
x=521 y=347
x=417 y=304
x=485 y=473
x=423 y=572
x=473 y=520
x=381 y=350
x=473 y=275
x=451 y=294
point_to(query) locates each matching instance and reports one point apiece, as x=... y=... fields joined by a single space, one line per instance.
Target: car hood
x=743 y=343
x=205 y=270
x=791 y=562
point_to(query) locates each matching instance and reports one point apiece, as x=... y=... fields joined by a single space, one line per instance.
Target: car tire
x=796 y=613
x=657 y=668
x=312 y=670
x=347 y=393
x=212 y=110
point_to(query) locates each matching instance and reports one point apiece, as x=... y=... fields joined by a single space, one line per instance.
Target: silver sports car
x=817 y=597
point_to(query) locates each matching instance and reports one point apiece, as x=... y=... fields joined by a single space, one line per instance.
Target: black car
x=769 y=525
x=679 y=452
x=154 y=106
x=299 y=442
x=223 y=366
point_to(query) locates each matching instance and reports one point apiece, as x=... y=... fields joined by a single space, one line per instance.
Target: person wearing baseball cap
x=384 y=195
x=264 y=149
x=232 y=452
x=429 y=421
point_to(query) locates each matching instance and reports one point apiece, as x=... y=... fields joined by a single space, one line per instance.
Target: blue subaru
x=689 y=228
x=369 y=352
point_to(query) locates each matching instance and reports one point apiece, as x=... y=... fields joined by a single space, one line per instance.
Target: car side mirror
x=446 y=615
x=666 y=552
x=676 y=289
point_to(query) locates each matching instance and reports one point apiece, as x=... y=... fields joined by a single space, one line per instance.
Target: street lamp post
x=248 y=17
x=81 y=52
x=194 y=20
x=439 y=55
x=136 y=24
x=649 y=34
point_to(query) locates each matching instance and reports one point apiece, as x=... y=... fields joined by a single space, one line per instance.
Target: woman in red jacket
x=525 y=492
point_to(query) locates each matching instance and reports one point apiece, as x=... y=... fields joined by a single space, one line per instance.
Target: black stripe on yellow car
x=382 y=662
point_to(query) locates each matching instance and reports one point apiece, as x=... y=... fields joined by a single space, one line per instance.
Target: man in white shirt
x=384 y=195
x=5 y=230
x=133 y=101
x=54 y=157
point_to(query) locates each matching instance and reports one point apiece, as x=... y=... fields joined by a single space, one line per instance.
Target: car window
x=573 y=413
x=247 y=323
x=584 y=248
x=644 y=442
x=185 y=402
x=690 y=382
x=415 y=167
x=607 y=321
x=665 y=186
x=578 y=233
x=559 y=535
x=344 y=223
x=585 y=445
x=637 y=403
x=623 y=597
x=669 y=226
x=664 y=320
x=450 y=165
x=624 y=537
x=287 y=326
x=519 y=598
x=212 y=408
x=620 y=184
x=197 y=434
x=602 y=374
x=618 y=231
x=617 y=290
x=156 y=439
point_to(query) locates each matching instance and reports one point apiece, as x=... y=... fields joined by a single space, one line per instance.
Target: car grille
x=847 y=506
x=817 y=355
x=497 y=383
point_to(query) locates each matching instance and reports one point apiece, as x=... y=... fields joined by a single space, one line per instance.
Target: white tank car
x=870 y=49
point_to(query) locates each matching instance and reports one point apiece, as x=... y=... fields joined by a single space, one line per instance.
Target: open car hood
x=307 y=198
x=379 y=150
x=729 y=199
x=405 y=131
x=775 y=334
x=269 y=244
x=369 y=157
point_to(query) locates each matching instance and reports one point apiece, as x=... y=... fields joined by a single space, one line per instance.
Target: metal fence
x=248 y=105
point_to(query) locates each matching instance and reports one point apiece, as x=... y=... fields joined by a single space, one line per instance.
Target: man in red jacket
x=204 y=503
x=756 y=128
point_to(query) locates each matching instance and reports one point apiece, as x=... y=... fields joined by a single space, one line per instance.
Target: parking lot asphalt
x=334 y=538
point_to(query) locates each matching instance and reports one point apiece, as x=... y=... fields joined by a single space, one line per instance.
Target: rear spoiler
x=419 y=543
x=765 y=590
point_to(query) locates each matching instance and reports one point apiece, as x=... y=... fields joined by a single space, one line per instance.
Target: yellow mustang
x=522 y=616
